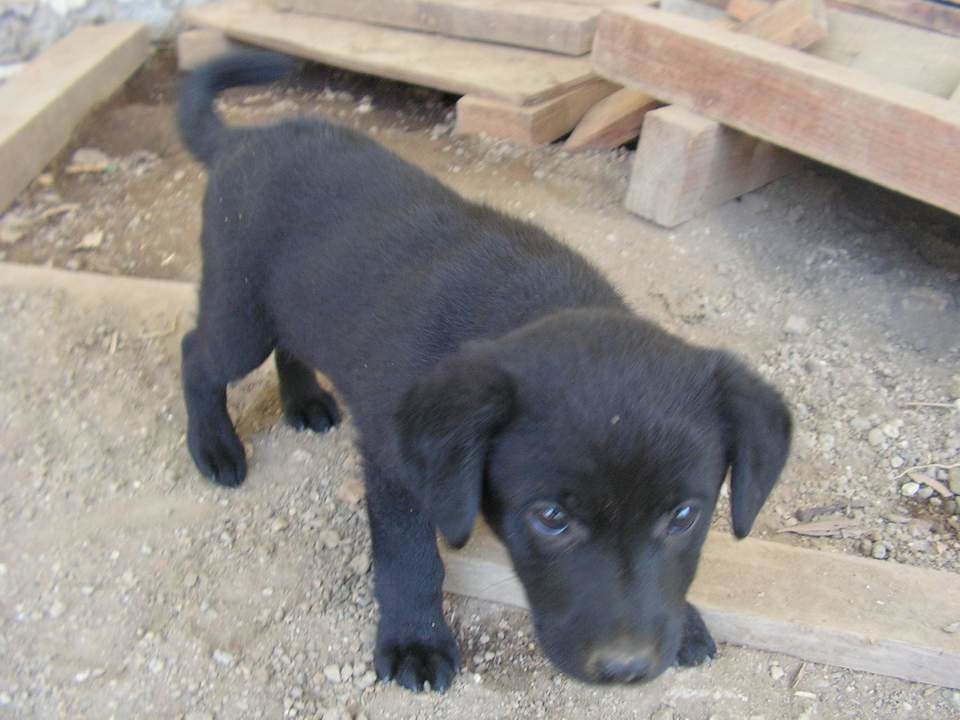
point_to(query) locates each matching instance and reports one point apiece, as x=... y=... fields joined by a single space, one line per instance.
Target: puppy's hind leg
x=224 y=347
x=305 y=403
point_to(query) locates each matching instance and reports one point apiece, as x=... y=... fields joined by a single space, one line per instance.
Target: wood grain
x=41 y=105
x=538 y=24
x=611 y=122
x=529 y=124
x=905 y=140
x=943 y=17
x=831 y=608
x=514 y=75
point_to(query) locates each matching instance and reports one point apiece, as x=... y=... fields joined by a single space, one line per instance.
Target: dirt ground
x=130 y=588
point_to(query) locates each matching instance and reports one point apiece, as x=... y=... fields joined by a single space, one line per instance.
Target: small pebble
x=776 y=672
x=222 y=657
x=190 y=580
x=952 y=628
x=366 y=680
x=57 y=609
x=879 y=551
x=896 y=461
x=924 y=492
x=360 y=564
x=953 y=480
x=909 y=488
x=329 y=538
x=279 y=525
x=796 y=325
x=332 y=673
x=875 y=437
x=866 y=547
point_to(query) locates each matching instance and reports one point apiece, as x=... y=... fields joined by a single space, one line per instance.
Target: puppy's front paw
x=317 y=412
x=697 y=644
x=415 y=663
x=218 y=454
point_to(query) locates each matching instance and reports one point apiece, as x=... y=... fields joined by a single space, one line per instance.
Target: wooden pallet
x=885 y=132
x=830 y=608
x=509 y=74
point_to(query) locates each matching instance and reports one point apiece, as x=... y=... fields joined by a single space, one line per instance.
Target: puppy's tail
x=200 y=128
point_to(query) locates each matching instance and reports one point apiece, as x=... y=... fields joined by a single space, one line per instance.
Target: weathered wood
x=943 y=17
x=41 y=105
x=892 y=135
x=831 y=608
x=197 y=47
x=538 y=24
x=793 y=23
x=529 y=124
x=463 y=67
x=745 y=9
x=611 y=122
x=687 y=164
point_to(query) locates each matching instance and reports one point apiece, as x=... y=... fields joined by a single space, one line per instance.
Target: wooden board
x=529 y=124
x=539 y=24
x=197 y=47
x=858 y=613
x=897 y=137
x=687 y=164
x=611 y=122
x=792 y=23
x=514 y=75
x=940 y=15
x=41 y=105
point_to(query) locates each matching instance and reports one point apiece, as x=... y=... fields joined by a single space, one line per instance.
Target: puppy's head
x=596 y=445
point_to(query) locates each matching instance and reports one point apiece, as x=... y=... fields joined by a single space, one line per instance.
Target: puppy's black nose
x=623 y=668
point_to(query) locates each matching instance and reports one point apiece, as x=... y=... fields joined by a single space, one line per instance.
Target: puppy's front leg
x=697 y=644
x=414 y=644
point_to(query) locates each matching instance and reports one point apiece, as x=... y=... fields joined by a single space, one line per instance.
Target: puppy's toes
x=319 y=413
x=697 y=645
x=221 y=458
x=415 y=665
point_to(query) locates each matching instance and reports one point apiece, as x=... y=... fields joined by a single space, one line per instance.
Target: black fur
x=487 y=368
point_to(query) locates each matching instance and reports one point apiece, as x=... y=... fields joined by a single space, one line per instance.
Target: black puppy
x=488 y=368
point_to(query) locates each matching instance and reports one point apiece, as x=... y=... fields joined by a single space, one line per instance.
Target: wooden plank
x=897 y=137
x=529 y=124
x=832 y=608
x=611 y=122
x=538 y=24
x=793 y=23
x=197 y=47
x=687 y=164
x=887 y=49
x=514 y=75
x=41 y=105
x=940 y=15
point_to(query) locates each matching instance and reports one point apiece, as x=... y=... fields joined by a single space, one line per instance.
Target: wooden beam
x=832 y=608
x=611 y=122
x=538 y=24
x=463 y=67
x=197 y=47
x=745 y=9
x=42 y=104
x=687 y=164
x=943 y=17
x=892 y=135
x=529 y=124
x=792 y=23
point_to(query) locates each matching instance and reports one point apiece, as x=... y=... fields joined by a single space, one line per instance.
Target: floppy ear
x=445 y=423
x=757 y=431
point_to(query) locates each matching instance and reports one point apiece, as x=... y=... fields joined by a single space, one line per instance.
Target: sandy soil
x=129 y=588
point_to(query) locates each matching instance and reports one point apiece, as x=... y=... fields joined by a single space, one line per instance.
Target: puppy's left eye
x=549 y=519
x=683 y=518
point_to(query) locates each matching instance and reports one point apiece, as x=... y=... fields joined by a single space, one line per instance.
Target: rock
x=57 y=609
x=925 y=492
x=879 y=551
x=663 y=713
x=875 y=437
x=222 y=657
x=891 y=430
x=190 y=580
x=366 y=680
x=9 y=235
x=360 y=564
x=351 y=491
x=279 y=525
x=859 y=423
x=909 y=488
x=952 y=628
x=88 y=160
x=954 y=698
x=776 y=672
x=90 y=241
x=896 y=461
x=796 y=325
x=866 y=547
x=156 y=665
x=953 y=480
x=332 y=673
x=329 y=538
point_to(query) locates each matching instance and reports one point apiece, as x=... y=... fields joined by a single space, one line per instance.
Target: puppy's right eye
x=548 y=519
